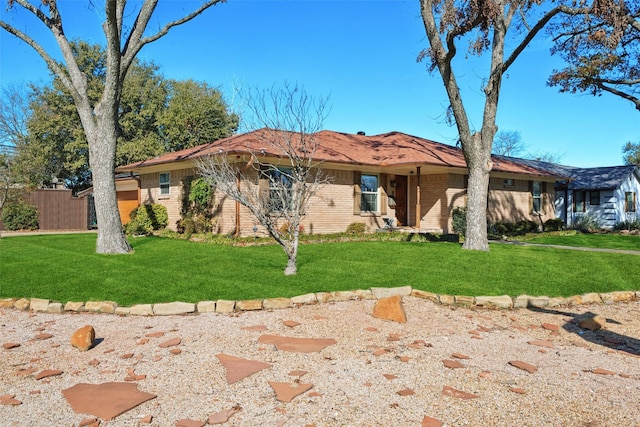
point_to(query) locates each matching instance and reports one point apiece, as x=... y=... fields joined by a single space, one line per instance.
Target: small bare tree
x=290 y=121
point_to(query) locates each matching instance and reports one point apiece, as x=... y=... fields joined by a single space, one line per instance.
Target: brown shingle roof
x=388 y=149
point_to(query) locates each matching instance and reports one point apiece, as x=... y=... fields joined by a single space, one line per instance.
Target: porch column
x=418 y=198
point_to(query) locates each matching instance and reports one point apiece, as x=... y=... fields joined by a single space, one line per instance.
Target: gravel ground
x=379 y=373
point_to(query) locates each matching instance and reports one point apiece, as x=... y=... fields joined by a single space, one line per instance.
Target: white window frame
x=364 y=192
x=164 y=184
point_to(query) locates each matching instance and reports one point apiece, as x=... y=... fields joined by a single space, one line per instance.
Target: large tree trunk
x=292 y=257
x=479 y=166
x=102 y=154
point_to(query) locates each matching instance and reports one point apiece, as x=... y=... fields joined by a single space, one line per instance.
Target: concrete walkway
x=574 y=248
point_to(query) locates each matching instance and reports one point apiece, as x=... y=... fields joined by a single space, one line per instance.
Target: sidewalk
x=574 y=248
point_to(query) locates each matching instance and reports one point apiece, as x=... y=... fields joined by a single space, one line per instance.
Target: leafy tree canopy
x=600 y=43
x=156 y=116
x=631 y=153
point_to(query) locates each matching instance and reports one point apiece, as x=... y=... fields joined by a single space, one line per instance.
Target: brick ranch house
x=392 y=179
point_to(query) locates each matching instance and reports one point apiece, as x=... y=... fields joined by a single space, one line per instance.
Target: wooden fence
x=59 y=210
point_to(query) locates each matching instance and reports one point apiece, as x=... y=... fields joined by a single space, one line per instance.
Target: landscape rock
x=402 y=291
x=38 y=304
x=463 y=300
x=7 y=302
x=54 y=307
x=276 y=303
x=48 y=373
x=324 y=297
x=83 y=338
x=390 y=308
x=186 y=422
x=503 y=301
x=607 y=298
x=101 y=306
x=141 y=310
x=206 y=307
x=249 y=305
x=452 y=392
x=447 y=300
x=173 y=308
x=593 y=322
x=521 y=301
x=430 y=422
x=557 y=302
x=122 y=311
x=21 y=304
x=225 y=306
x=10 y=345
x=304 y=299
x=425 y=295
x=9 y=399
x=539 y=302
x=222 y=416
x=170 y=343
x=73 y=306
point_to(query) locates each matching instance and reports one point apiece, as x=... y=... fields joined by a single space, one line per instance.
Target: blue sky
x=362 y=54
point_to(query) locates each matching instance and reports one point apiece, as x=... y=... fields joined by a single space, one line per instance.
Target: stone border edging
x=229 y=306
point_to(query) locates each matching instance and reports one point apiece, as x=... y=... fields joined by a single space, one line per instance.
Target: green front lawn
x=66 y=268
x=608 y=241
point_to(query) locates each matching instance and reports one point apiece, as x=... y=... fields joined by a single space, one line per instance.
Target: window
x=630 y=201
x=369 y=193
x=507 y=182
x=165 y=179
x=578 y=201
x=280 y=184
x=536 y=192
x=594 y=198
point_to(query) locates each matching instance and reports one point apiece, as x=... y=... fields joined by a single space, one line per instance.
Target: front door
x=400 y=195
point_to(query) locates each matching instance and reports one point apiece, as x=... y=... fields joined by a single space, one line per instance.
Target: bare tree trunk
x=479 y=165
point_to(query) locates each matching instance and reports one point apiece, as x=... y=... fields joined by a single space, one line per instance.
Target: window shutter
x=383 y=194
x=263 y=182
x=357 y=193
x=530 y=196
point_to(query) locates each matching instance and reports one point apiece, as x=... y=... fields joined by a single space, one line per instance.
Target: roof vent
x=361 y=133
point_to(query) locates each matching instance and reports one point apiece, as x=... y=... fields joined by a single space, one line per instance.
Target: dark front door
x=400 y=193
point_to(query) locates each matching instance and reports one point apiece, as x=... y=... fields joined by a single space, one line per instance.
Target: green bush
x=356 y=228
x=586 y=224
x=147 y=218
x=553 y=224
x=20 y=216
x=628 y=225
x=459 y=220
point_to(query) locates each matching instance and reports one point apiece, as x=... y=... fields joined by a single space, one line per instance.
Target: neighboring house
x=393 y=179
x=610 y=195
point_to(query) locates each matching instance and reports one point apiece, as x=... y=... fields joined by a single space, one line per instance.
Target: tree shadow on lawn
x=602 y=337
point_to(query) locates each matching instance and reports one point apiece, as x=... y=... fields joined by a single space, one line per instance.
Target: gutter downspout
x=418 y=198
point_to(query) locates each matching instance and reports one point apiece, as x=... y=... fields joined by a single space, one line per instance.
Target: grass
x=606 y=241
x=66 y=268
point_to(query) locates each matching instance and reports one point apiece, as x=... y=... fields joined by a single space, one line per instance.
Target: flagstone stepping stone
x=460 y=356
x=390 y=376
x=290 y=323
x=83 y=338
x=48 y=373
x=106 y=400
x=146 y=420
x=450 y=391
x=601 y=371
x=94 y=362
x=223 y=416
x=259 y=328
x=126 y=356
x=171 y=343
x=189 y=423
x=524 y=366
x=371 y=329
x=89 y=422
x=430 y=422
x=453 y=364
x=10 y=345
x=541 y=343
x=238 y=368
x=26 y=371
x=298 y=373
x=593 y=322
x=285 y=392
x=517 y=390
x=154 y=335
x=297 y=345
x=175 y=351
x=405 y=392
x=9 y=399
x=551 y=327
x=390 y=308
x=404 y=359
x=42 y=337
